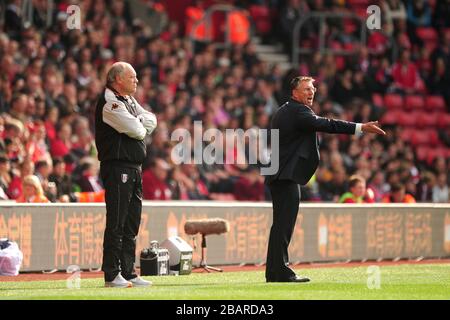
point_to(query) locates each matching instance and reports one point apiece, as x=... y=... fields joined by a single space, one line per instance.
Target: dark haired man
x=298 y=160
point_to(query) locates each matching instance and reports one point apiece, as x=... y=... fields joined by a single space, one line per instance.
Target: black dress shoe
x=290 y=279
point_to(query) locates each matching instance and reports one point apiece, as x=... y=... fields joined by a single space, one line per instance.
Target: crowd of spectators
x=51 y=78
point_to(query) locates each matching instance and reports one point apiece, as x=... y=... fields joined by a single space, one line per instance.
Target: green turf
x=430 y=281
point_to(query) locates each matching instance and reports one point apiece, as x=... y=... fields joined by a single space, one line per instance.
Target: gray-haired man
x=121 y=125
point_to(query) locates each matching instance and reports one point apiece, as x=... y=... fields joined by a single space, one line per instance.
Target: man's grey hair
x=116 y=70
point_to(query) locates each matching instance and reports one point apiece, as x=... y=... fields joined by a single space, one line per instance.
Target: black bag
x=154 y=261
x=4 y=243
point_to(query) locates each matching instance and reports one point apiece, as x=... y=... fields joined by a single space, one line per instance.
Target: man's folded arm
x=147 y=118
x=117 y=116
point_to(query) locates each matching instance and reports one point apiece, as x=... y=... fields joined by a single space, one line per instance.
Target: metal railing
x=2 y=14
x=322 y=16
x=27 y=10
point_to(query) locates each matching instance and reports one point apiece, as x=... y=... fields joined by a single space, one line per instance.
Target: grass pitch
x=424 y=281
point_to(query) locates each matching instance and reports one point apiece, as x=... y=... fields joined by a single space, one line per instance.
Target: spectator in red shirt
x=51 y=118
x=36 y=147
x=405 y=75
x=154 y=182
x=26 y=168
x=250 y=185
x=61 y=145
x=378 y=42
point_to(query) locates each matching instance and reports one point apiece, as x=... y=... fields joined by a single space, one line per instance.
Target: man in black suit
x=298 y=160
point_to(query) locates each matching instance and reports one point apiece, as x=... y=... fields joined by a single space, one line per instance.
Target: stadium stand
x=51 y=76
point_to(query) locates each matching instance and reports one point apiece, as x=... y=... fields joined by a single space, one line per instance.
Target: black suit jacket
x=298 y=145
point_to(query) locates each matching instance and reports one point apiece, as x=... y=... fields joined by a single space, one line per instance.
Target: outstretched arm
x=310 y=122
x=372 y=127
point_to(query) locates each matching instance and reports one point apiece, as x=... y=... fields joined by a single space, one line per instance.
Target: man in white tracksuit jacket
x=121 y=125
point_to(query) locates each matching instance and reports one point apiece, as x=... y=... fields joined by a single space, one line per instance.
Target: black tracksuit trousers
x=123 y=197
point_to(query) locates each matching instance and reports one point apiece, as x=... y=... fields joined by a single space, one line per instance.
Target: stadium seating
x=429 y=36
x=261 y=18
x=361 y=12
x=427 y=119
x=349 y=26
x=422 y=153
x=349 y=46
x=358 y=3
x=427 y=154
x=433 y=153
x=424 y=137
x=421 y=119
x=377 y=99
x=443 y=121
x=435 y=103
x=407 y=119
x=407 y=134
x=390 y=117
x=358 y=6
x=414 y=102
x=393 y=101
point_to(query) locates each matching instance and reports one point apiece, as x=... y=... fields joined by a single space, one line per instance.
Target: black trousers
x=286 y=199
x=123 y=197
